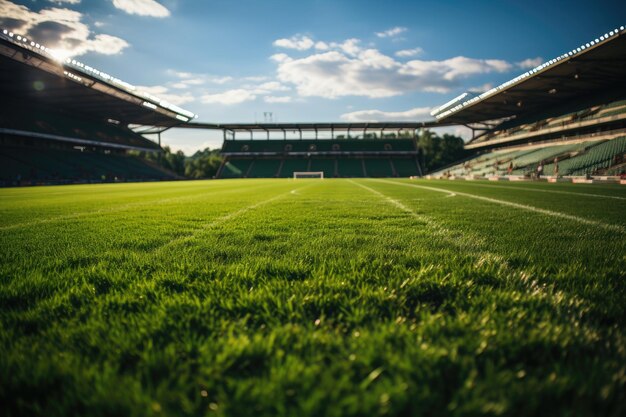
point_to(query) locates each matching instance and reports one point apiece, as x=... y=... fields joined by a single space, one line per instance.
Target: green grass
x=313 y=298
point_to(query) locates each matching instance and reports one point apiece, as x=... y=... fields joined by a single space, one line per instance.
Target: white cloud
x=249 y=92
x=409 y=52
x=229 y=97
x=65 y=1
x=166 y=94
x=256 y=78
x=390 y=33
x=188 y=79
x=530 y=63
x=106 y=44
x=142 y=7
x=188 y=85
x=460 y=131
x=416 y=114
x=221 y=80
x=369 y=73
x=271 y=86
x=303 y=43
x=298 y=42
x=280 y=57
x=322 y=46
x=445 y=73
x=349 y=46
x=60 y=29
x=480 y=88
x=277 y=99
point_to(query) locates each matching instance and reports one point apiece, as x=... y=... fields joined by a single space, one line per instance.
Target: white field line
x=462 y=240
x=545 y=191
x=225 y=218
x=122 y=207
x=473 y=245
x=606 y=226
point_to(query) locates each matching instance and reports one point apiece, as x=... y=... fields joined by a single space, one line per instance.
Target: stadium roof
x=311 y=127
x=598 y=65
x=30 y=71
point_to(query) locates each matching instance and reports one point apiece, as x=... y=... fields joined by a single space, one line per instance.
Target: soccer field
x=330 y=297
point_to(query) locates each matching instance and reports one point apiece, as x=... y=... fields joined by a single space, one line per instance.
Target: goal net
x=308 y=174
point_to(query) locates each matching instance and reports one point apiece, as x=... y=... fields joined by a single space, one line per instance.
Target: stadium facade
x=64 y=121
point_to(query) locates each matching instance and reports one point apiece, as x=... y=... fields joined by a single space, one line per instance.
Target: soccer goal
x=308 y=174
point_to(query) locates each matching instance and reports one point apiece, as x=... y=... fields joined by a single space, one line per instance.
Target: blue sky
x=318 y=60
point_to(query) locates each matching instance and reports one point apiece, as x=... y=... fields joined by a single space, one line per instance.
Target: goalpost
x=308 y=174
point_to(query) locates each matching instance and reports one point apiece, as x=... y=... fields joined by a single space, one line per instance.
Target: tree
x=438 y=151
x=203 y=164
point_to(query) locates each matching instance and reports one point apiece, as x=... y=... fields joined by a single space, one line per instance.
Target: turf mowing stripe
x=123 y=207
x=544 y=191
x=470 y=244
x=610 y=227
x=227 y=217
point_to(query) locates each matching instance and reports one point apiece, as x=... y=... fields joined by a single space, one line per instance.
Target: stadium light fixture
x=72 y=76
x=149 y=105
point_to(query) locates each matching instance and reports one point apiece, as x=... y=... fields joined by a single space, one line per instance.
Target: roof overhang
x=599 y=65
x=30 y=71
x=315 y=127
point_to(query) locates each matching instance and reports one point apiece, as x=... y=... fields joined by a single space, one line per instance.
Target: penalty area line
x=606 y=226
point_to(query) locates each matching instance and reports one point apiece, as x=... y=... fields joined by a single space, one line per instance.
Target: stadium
x=323 y=269
x=71 y=123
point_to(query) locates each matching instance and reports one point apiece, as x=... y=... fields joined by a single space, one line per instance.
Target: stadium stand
x=335 y=157
x=66 y=122
x=23 y=165
x=565 y=118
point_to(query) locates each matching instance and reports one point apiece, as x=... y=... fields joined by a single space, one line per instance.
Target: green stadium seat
x=293 y=165
x=236 y=168
x=51 y=164
x=264 y=168
x=350 y=167
x=378 y=167
x=325 y=165
x=405 y=167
